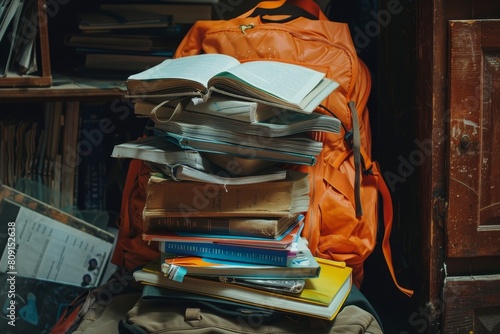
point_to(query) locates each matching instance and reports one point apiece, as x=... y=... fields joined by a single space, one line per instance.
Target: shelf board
x=67 y=88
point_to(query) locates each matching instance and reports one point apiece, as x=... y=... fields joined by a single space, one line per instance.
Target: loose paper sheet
x=49 y=250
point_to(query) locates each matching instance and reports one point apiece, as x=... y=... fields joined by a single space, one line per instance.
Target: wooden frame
x=45 y=78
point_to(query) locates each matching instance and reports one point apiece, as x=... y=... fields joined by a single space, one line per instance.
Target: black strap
x=292 y=11
x=356 y=148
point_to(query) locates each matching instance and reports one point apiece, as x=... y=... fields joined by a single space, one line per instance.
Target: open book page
x=197 y=69
x=288 y=82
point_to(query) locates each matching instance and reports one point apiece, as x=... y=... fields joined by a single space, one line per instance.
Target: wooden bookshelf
x=66 y=88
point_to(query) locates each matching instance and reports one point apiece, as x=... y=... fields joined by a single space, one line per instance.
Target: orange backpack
x=342 y=220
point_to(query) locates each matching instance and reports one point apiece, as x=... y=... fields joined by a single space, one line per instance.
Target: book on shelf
x=282 y=241
x=197 y=199
x=231 y=252
x=118 y=42
x=271 y=82
x=321 y=297
x=284 y=124
x=93 y=170
x=70 y=157
x=181 y=13
x=258 y=227
x=302 y=265
x=18 y=32
x=123 y=62
x=160 y=151
x=217 y=105
x=122 y=19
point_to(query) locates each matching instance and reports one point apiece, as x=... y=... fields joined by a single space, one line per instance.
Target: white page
x=286 y=81
x=198 y=68
x=50 y=250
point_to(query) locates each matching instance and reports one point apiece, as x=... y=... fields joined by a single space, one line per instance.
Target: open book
x=275 y=83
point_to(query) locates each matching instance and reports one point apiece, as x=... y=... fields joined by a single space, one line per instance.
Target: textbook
x=232 y=252
x=158 y=150
x=181 y=172
x=292 y=150
x=258 y=136
x=264 y=227
x=321 y=297
x=271 y=82
x=282 y=241
x=302 y=265
x=168 y=198
x=285 y=124
x=217 y=105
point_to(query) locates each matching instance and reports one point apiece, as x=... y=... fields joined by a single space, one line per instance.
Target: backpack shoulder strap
x=386 y=247
x=310 y=8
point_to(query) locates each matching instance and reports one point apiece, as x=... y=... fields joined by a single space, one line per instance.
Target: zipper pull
x=244 y=27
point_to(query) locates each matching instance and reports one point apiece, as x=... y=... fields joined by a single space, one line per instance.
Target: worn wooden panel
x=471 y=304
x=473 y=221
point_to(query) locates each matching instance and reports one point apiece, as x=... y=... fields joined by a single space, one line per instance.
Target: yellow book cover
x=322 y=297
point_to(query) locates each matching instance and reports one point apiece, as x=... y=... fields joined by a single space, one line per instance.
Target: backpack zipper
x=244 y=27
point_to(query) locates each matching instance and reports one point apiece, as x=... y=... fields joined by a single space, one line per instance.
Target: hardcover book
x=260 y=81
x=169 y=198
x=282 y=241
x=303 y=265
x=242 y=253
x=321 y=297
x=272 y=227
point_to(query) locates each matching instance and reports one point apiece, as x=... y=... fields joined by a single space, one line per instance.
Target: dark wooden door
x=473 y=224
x=471 y=291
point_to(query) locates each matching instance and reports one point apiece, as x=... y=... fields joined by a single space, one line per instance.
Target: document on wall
x=47 y=244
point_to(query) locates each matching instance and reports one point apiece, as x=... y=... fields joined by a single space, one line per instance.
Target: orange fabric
x=331 y=225
x=131 y=251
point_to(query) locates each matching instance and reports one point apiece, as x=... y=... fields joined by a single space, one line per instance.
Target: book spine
x=229 y=253
x=223 y=226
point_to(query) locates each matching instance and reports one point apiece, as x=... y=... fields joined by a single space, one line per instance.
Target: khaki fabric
x=156 y=317
x=102 y=316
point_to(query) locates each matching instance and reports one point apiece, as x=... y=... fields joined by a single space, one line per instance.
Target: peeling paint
x=473 y=124
x=456 y=131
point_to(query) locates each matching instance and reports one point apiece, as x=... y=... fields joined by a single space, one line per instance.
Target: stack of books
x=225 y=212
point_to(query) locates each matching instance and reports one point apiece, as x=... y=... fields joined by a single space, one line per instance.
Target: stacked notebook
x=226 y=212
